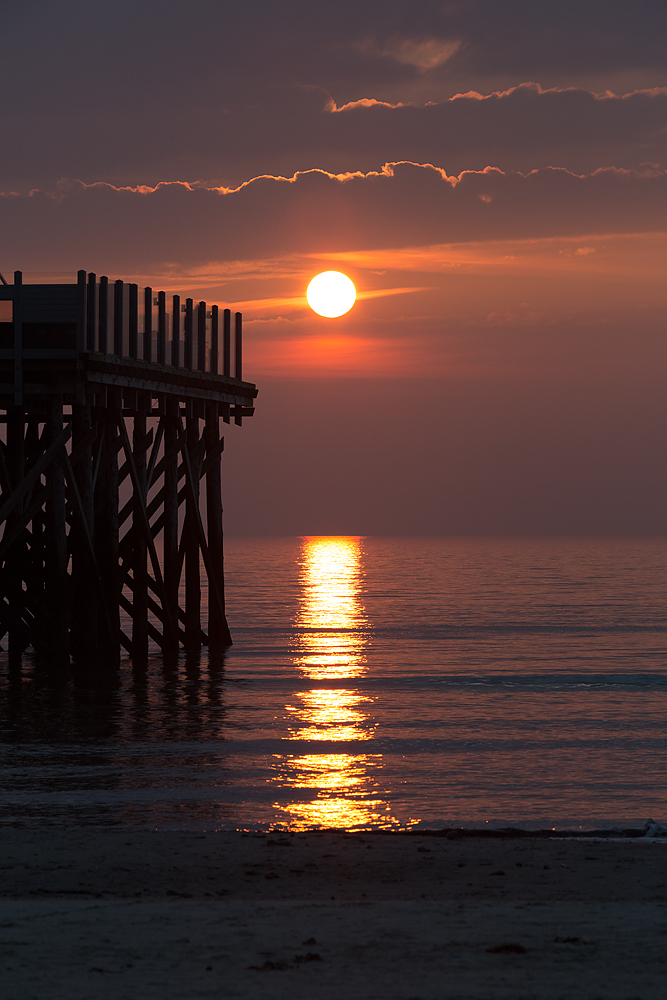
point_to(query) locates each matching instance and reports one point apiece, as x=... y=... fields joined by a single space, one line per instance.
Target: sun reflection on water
x=331 y=614
x=330 y=647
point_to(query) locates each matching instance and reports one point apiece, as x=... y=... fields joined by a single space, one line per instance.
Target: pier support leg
x=139 y=568
x=106 y=532
x=13 y=569
x=85 y=587
x=170 y=533
x=34 y=446
x=218 y=630
x=56 y=581
x=191 y=544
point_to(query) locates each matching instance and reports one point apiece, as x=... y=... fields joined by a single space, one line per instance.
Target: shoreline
x=319 y=863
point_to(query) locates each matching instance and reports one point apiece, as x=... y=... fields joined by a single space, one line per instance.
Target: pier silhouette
x=97 y=521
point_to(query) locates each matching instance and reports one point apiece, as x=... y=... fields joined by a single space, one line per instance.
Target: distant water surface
x=373 y=683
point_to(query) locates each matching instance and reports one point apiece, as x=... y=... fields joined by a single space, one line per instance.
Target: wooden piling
x=214 y=355
x=106 y=524
x=176 y=331
x=103 y=313
x=226 y=355
x=90 y=313
x=201 y=336
x=57 y=582
x=133 y=321
x=162 y=328
x=191 y=543
x=140 y=552
x=238 y=357
x=188 y=336
x=148 y=325
x=171 y=562
x=85 y=590
x=16 y=557
x=218 y=629
x=118 y=318
x=226 y=342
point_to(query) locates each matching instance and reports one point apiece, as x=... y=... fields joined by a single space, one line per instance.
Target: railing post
x=189 y=331
x=162 y=328
x=18 y=338
x=103 y=318
x=118 y=319
x=226 y=342
x=214 y=362
x=176 y=331
x=90 y=312
x=133 y=326
x=148 y=324
x=238 y=355
x=201 y=336
x=238 y=347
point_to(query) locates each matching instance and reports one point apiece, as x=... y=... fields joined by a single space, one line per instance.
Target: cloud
x=516 y=129
x=123 y=230
x=422 y=53
x=157 y=89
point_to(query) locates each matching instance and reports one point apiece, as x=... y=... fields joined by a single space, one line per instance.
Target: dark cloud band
x=406 y=204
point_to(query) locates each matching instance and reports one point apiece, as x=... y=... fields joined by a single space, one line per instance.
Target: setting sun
x=331 y=294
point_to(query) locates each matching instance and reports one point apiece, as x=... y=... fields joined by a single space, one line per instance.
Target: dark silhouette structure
x=98 y=519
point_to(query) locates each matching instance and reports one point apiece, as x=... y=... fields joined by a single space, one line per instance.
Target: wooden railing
x=145 y=325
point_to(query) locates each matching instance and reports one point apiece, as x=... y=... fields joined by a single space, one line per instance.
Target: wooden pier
x=100 y=514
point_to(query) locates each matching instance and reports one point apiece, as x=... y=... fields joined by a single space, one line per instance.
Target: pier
x=112 y=399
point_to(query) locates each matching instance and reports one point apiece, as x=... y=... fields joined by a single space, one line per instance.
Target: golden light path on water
x=331 y=646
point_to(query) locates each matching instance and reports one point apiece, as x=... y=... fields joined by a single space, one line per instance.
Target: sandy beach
x=94 y=913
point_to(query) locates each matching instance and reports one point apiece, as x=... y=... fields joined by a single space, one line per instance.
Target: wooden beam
x=28 y=481
x=145 y=527
x=190 y=482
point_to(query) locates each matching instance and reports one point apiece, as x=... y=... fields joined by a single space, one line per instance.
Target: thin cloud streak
x=299 y=301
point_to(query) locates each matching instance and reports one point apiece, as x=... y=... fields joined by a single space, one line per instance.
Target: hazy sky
x=491 y=173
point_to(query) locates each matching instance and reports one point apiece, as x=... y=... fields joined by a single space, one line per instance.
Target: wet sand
x=109 y=913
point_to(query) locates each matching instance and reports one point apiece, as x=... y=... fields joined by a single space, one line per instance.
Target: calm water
x=374 y=682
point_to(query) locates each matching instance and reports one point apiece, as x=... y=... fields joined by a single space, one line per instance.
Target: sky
x=492 y=174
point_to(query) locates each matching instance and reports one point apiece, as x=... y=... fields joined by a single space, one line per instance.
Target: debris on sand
x=510 y=948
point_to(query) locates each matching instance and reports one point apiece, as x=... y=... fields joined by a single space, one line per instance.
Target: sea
x=374 y=683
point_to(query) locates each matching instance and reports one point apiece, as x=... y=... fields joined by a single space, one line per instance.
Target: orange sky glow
x=495 y=187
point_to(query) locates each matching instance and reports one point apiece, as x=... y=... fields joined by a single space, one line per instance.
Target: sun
x=331 y=294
